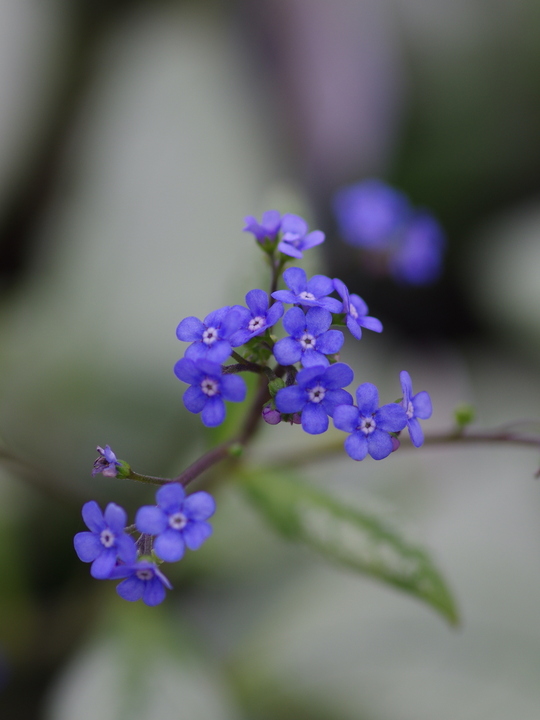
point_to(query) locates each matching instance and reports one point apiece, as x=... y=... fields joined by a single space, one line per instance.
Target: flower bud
x=271 y=416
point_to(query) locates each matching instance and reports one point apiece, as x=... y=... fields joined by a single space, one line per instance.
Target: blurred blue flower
x=177 y=521
x=369 y=424
x=419 y=257
x=107 y=540
x=267 y=229
x=295 y=237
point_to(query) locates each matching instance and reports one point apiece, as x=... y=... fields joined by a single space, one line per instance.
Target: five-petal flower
x=295 y=237
x=106 y=540
x=143 y=580
x=177 y=521
x=210 y=338
x=356 y=310
x=369 y=424
x=316 y=395
x=257 y=319
x=308 y=293
x=310 y=339
x=267 y=229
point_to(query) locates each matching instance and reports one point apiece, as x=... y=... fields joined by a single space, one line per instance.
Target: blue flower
x=107 y=462
x=143 y=580
x=415 y=406
x=306 y=293
x=295 y=237
x=310 y=340
x=210 y=338
x=356 y=310
x=418 y=259
x=208 y=389
x=267 y=229
x=317 y=393
x=177 y=521
x=370 y=213
x=257 y=319
x=107 y=541
x=369 y=425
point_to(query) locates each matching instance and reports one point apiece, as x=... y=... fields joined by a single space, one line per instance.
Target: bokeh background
x=134 y=138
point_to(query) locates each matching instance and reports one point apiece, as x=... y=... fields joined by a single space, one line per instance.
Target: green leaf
x=359 y=539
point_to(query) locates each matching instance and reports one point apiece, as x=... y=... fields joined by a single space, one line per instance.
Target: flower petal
x=335 y=398
x=312 y=358
x=406 y=386
x=169 y=546
x=422 y=405
x=115 y=517
x=93 y=517
x=127 y=550
x=391 y=417
x=416 y=433
x=356 y=446
x=330 y=342
x=169 y=497
x=295 y=279
x=131 y=589
x=151 y=520
x=288 y=351
x=199 y=506
x=317 y=320
x=186 y=370
x=257 y=302
x=367 y=397
x=294 y=322
x=338 y=376
x=233 y=388
x=87 y=546
x=314 y=419
x=194 y=399
x=379 y=444
x=213 y=413
x=190 y=329
x=346 y=417
x=291 y=399
x=153 y=592
x=102 y=565
x=195 y=533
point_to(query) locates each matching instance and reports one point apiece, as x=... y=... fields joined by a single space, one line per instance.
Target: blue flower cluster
x=307 y=381
x=165 y=530
x=408 y=243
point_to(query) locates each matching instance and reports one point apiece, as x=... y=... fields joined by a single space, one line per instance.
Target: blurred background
x=134 y=138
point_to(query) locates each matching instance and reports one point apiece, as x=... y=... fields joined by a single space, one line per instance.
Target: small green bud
x=464 y=415
x=123 y=470
x=236 y=450
x=275 y=385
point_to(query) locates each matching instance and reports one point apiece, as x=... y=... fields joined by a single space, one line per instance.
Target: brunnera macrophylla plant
x=290 y=337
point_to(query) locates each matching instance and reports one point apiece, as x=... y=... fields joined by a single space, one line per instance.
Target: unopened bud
x=271 y=416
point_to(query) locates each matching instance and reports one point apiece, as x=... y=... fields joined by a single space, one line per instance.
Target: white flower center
x=210 y=387
x=256 y=323
x=144 y=574
x=410 y=410
x=316 y=394
x=307 y=341
x=209 y=336
x=353 y=312
x=107 y=538
x=178 y=521
x=305 y=295
x=367 y=426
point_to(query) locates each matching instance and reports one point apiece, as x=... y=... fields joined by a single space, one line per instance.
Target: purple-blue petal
x=317 y=320
x=295 y=279
x=231 y=322
x=287 y=248
x=93 y=517
x=190 y=329
x=169 y=546
x=335 y=398
x=294 y=322
x=153 y=592
x=406 y=385
x=331 y=304
x=103 y=564
x=115 y=517
x=187 y=371
x=213 y=413
x=195 y=533
x=218 y=351
x=307 y=377
x=288 y=351
x=199 y=506
x=379 y=444
x=371 y=323
x=354 y=327
x=131 y=589
x=194 y=399
x=127 y=550
x=356 y=446
x=293 y=225
x=330 y=342
x=291 y=399
x=151 y=520
x=87 y=546
x=422 y=405
x=346 y=417
x=391 y=417
x=367 y=397
x=314 y=419
x=170 y=496
x=233 y=388
x=274 y=313
x=315 y=237
x=312 y=358
x=416 y=433
x=320 y=286
x=216 y=317
x=359 y=305
x=257 y=302
x=338 y=376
